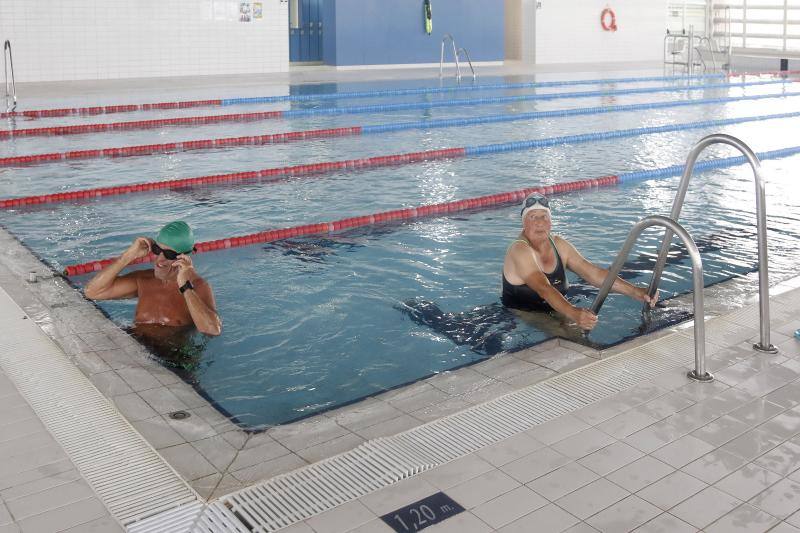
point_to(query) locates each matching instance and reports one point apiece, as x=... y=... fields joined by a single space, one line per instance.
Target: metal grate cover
x=127 y=474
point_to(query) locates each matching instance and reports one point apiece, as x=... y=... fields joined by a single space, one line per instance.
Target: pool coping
x=215 y=456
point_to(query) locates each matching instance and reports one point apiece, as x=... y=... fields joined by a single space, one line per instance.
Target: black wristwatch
x=186 y=286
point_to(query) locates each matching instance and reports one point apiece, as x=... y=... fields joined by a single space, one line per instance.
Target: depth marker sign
x=422 y=514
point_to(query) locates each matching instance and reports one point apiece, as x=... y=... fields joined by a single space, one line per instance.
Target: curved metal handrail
x=7 y=58
x=455 y=56
x=699 y=373
x=469 y=61
x=761 y=217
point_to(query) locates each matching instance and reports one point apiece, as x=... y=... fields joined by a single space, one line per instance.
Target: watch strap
x=186 y=286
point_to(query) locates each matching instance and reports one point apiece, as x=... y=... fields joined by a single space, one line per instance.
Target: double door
x=305 y=30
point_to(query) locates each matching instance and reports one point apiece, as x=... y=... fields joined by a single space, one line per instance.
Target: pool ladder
x=456 y=53
x=11 y=91
x=672 y=227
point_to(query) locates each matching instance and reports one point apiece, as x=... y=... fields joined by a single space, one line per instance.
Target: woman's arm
x=595 y=275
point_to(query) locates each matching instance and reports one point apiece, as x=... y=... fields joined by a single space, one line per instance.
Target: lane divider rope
x=128 y=108
x=274 y=174
x=275 y=138
x=329 y=111
x=444 y=208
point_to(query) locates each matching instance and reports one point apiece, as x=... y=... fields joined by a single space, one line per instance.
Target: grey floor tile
x=398 y=495
x=331 y=448
x=188 y=461
x=721 y=430
x=705 y=507
x=509 y=507
x=780 y=500
x=61 y=518
x=747 y=482
x=458 y=471
x=625 y=515
x=714 y=465
x=158 y=432
x=682 y=451
x=640 y=473
x=509 y=449
x=557 y=429
x=670 y=490
x=744 y=519
x=533 y=465
x=268 y=469
x=626 y=423
x=548 y=518
x=582 y=444
x=562 y=481
x=592 y=498
x=783 y=459
x=342 y=518
x=665 y=523
x=482 y=489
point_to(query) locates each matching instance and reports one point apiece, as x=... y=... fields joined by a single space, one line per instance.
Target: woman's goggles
x=535 y=201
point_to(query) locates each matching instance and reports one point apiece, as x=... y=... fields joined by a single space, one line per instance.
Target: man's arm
x=596 y=275
x=108 y=284
x=534 y=278
x=202 y=307
x=199 y=300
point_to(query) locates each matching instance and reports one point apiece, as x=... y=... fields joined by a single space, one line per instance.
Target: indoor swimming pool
x=318 y=321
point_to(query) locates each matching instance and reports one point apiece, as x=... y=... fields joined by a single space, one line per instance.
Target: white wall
x=56 y=40
x=569 y=31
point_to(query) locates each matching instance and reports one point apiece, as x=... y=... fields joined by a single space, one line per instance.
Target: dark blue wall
x=378 y=32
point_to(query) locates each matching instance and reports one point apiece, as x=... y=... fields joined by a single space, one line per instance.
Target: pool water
x=312 y=323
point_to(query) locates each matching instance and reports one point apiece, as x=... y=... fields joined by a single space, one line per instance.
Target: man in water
x=534 y=270
x=171 y=293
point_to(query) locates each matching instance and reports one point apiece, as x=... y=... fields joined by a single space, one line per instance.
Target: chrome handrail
x=469 y=61
x=455 y=56
x=761 y=218
x=699 y=373
x=7 y=58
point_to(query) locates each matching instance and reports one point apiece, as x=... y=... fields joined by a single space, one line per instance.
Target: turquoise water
x=314 y=323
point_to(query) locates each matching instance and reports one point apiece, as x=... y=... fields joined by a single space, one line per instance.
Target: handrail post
x=699 y=373
x=469 y=61
x=455 y=56
x=761 y=217
x=7 y=58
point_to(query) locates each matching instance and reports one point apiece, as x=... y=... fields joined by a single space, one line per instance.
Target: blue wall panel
x=376 y=32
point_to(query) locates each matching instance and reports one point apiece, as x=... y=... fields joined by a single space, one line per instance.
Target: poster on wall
x=258 y=10
x=244 y=12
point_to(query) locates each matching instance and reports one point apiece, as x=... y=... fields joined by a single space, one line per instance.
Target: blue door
x=305 y=30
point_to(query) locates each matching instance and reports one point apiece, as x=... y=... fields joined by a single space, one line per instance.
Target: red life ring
x=608 y=19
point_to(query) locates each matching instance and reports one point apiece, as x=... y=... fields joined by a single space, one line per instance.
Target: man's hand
x=139 y=248
x=585 y=319
x=642 y=296
x=185 y=269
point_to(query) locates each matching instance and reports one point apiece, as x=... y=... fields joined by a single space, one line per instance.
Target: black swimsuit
x=526 y=299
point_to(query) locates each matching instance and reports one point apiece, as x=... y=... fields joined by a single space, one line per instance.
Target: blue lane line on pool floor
x=384 y=108
x=489 y=119
x=438 y=90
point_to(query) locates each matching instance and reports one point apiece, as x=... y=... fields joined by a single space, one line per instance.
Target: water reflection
x=178 y=348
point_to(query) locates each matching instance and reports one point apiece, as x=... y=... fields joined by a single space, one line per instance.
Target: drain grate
x=296 y=496
x=129 y=476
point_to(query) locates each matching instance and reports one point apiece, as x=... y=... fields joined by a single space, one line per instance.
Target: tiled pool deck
x=666 y=455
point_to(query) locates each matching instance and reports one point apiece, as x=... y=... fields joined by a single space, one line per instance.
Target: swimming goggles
x=532 y=201
x=170 y=255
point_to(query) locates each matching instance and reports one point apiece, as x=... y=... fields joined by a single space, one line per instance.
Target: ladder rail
x=455 y=56
x=8 y=59
x=469 y=62
x=699 y=373
x=761 y=218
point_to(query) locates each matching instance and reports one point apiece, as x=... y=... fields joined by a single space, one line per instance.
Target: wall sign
x=422 y=514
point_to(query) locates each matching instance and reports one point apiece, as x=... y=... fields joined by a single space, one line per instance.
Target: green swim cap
x=178 y=236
